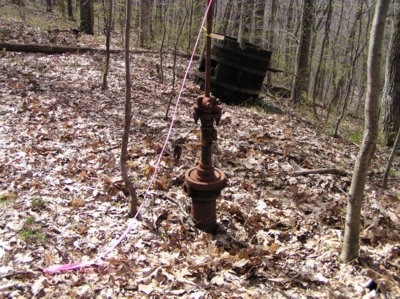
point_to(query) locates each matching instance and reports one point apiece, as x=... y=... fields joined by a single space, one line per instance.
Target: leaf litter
x=62 y=197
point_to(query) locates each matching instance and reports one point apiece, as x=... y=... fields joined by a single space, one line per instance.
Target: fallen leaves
x=278 y=235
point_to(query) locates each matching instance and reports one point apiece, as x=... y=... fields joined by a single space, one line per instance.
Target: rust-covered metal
x=205 y=182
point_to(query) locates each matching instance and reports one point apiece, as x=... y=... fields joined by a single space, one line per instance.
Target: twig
x=8 y=275
x=190 y=220
x=297 y=159
x=321 y=171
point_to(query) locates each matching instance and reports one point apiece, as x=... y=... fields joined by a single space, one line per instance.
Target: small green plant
x=30 y=220
x=392 y=172
x=356 y=137
x=37 y=202
x=26 y=233
x=32 y=231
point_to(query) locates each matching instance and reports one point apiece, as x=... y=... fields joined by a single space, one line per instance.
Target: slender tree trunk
x=336 y=82
x=241 y=21
x=162 y=44
x=389 y=165
x=321 y=56
x=128 y=116
x=289 y=42
x=144 y=23
x=62 y=8
x=227 y=13
x=70 y=10
x=271 y=22
x=391 y=90
x=189 y=47
x=175 y=53
x=352 y=226
x=87 y=16
x=109 y=22
x=300 y=82
x=357 y=54
x=234 y=20
x=49 y=7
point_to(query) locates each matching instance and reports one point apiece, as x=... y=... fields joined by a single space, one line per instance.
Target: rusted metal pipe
x=208 y=49
x=204 y=182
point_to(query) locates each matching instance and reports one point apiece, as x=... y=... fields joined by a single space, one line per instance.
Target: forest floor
x=279 y=235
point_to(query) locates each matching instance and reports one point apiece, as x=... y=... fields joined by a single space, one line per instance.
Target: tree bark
x=109 y=22
x=389 y=165
x=391 y=90
x=62 y=8
x=352 y=225
x=357 y=53
x=70 y=11
x=49 y=49
x=321 y=56
x=241 y=25
x=128 y=116
x=300 y=82
x=49 y=6
x=87 y=16
x=144 y=37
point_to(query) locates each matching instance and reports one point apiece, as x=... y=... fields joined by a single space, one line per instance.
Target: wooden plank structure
x=237 y=73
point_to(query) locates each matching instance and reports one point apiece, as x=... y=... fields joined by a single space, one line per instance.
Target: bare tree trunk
x=87 y=16
x=189 y=47
x=225 y=21
x=357 y=53
x=389 y=165
x=175 y=52
x=49 y=7
x=109 y=22
x=300 y=82
x=352 y=226
x=162 y=45
x=241 y=25
x=144 y=23
x=62 y=8
x=70 y=14
x=128 y=116
x=391 y=90
x=271 y=34
x=321 y=56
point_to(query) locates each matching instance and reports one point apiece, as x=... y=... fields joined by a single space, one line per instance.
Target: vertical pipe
x=208 y=49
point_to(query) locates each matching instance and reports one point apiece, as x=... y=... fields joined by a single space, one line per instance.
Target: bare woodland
x=312 y=205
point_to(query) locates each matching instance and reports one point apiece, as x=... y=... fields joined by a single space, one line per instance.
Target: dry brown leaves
x=62 y=197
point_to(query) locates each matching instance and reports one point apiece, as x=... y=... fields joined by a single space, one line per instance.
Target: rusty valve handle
x=206 y=109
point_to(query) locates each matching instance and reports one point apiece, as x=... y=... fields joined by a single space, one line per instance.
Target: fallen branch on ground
x=49 y=49
x=321 y=171
x=53 y=49
x=179 y=204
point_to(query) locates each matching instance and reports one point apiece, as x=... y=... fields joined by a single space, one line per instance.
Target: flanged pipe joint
x=204 y=182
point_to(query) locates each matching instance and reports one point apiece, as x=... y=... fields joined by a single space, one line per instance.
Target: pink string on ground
x=58 y=268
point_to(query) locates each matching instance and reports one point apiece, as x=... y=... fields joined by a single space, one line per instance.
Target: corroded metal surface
x=204 y=182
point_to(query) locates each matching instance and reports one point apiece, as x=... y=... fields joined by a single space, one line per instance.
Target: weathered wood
x=50 y=49
x=237 y=71
x=53 y=49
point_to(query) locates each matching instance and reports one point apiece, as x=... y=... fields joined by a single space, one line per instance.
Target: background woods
x=290 y=155
x=323 y=42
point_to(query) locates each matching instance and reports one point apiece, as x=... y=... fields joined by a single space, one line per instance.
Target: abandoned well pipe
x=204 y=182
x=208 y=49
